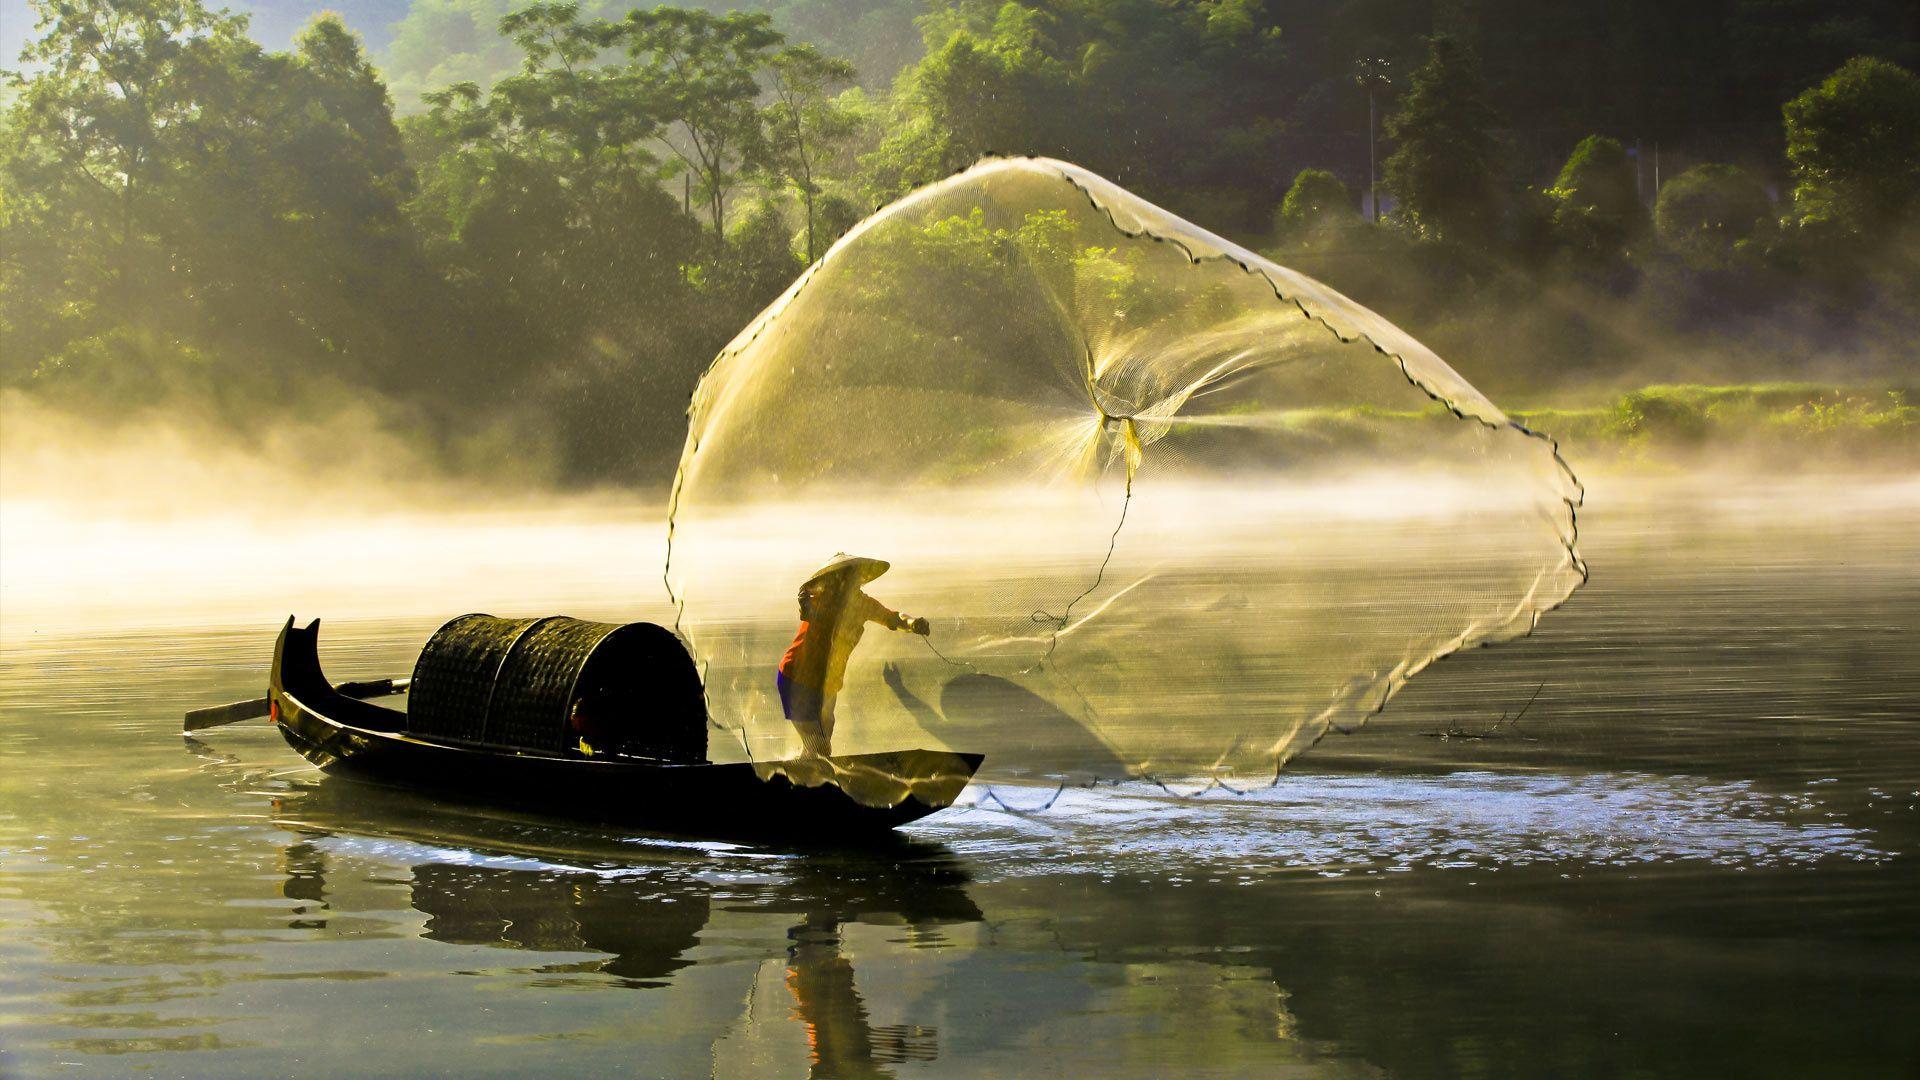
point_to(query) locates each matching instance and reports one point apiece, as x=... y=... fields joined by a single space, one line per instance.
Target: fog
x=153 y=524
x=159 y=523
x=157 y=526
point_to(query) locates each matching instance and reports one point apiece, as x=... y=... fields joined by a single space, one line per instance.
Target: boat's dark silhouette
x=835 y=799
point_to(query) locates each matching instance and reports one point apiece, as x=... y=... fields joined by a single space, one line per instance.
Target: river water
x=1674 y=833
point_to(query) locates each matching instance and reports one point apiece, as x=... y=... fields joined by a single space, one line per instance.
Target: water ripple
x=1460 y=820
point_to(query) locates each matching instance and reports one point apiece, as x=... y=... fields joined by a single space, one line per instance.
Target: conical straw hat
x=857 y=567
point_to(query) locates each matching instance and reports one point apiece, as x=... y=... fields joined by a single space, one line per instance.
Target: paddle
x=216 y=715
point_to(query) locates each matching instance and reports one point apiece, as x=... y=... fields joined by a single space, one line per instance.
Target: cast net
x=1173 y=511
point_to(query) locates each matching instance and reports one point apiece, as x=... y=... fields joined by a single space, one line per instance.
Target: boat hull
x=809 y=800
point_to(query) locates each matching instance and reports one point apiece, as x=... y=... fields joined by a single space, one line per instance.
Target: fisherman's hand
x=921 y=627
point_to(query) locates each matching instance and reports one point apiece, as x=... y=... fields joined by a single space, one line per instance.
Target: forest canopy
x=519 y=232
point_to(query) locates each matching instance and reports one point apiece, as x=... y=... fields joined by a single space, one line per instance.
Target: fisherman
x=834 y=613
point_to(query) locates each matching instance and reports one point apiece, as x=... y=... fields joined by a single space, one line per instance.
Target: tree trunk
x=126 y=245
x=809 y=196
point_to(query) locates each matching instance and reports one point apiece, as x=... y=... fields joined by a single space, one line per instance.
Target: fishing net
x=1172 y=511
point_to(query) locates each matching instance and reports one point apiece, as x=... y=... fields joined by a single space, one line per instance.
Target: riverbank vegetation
x=523 y=269
x=1785 y=426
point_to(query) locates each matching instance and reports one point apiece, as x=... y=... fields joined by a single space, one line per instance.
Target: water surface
x=1674 y=833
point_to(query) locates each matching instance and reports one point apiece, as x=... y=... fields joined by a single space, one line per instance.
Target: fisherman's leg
x=826 y=723
x=804 y=713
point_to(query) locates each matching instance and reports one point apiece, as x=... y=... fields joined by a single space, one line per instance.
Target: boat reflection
x=644 y=931
x=527 y=884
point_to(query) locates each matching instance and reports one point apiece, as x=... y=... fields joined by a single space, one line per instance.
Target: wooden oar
x=214 y=716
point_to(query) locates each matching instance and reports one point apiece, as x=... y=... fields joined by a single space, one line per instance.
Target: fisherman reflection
x=839 y=1032
x=834 y=614
x=921 y=884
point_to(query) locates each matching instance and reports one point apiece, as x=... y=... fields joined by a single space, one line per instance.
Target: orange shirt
x=818 y=656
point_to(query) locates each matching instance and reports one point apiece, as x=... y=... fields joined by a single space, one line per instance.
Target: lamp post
x=1370 y=74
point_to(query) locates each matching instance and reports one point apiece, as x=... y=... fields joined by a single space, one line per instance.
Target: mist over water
x=66 y=571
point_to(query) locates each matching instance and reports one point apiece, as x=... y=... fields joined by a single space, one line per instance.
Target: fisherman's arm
x=894 y=620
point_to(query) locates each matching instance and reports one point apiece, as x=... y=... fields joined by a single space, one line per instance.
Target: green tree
x=804 y=123
x=101 y=130
x=995 y=89
x=297 y=212
x=1854 y=144
x=1709 y=214
x=544 y=196
x=761 y=261
x=596 y=299
x=1177 y=100
x=181 y=203
x=834 y=216
x=1445 y=169
x=698 y=71
x=1316 y=203
x=1597 y=202
x=438 y=43
x=442 y=43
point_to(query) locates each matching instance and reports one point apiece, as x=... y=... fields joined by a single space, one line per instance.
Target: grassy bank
x=1771 y=423
x=1782 y=426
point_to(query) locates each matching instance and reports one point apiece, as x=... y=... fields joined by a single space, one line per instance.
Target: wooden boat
x=831 y=798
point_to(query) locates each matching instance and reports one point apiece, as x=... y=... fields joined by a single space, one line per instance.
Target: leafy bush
x=1651 y=414
x=1598 y=209
x=1710 y=214
x=1445 y=171
x=1316 y=202
x=1854 y=142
